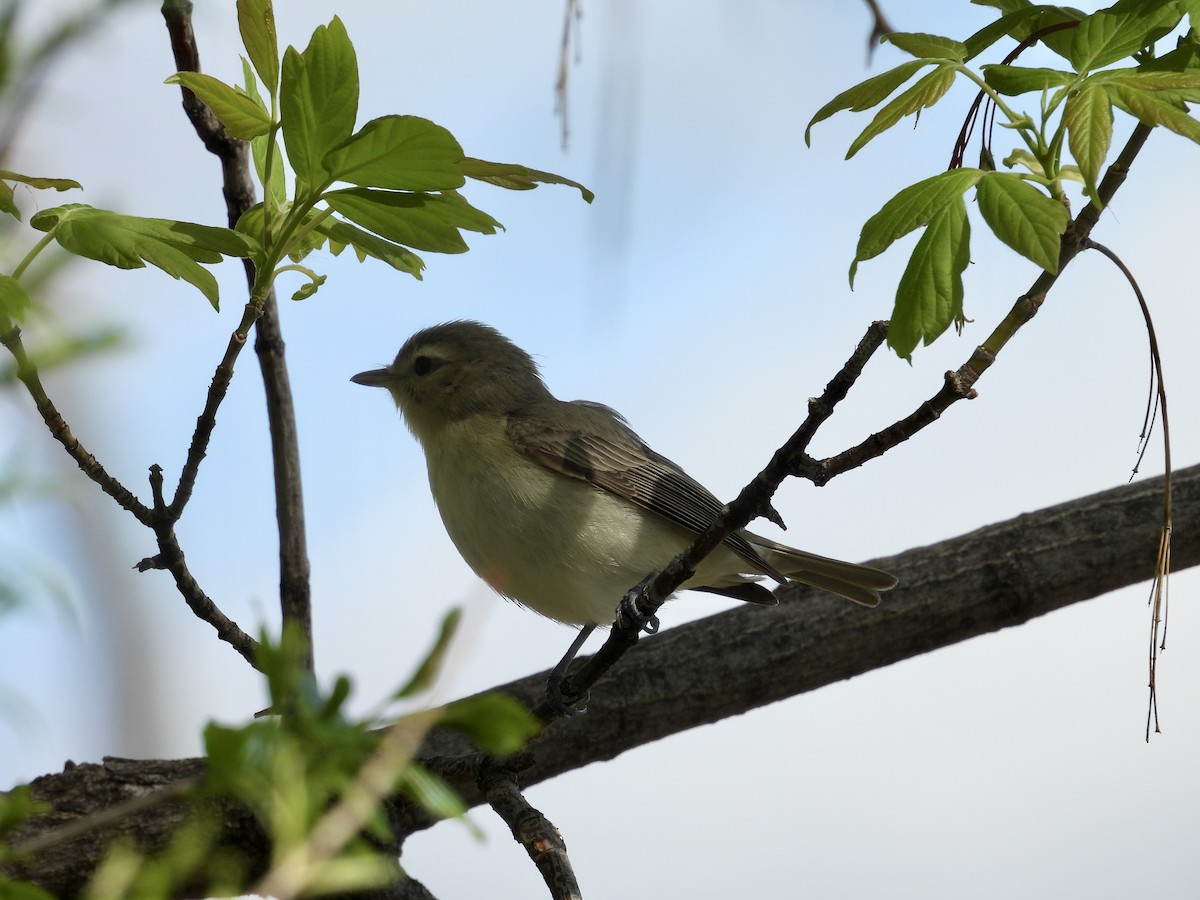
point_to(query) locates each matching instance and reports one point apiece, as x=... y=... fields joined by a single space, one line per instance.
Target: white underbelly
x=553 y=543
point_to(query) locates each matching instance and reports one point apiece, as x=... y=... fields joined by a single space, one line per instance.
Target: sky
x=704 y=294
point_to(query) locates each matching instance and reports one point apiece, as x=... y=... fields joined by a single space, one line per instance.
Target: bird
x=559 y=505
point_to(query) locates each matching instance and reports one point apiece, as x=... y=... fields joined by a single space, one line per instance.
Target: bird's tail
x=862 y=584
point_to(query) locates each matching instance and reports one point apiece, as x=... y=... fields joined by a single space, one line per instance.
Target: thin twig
x=27 y=373
x=1158 y=592
x=572 y=14
x=530 y=828
x=294 y=582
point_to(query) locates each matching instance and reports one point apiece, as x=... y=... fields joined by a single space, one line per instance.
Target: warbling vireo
x=560 y=506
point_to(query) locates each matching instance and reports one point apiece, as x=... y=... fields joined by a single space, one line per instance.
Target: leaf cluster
x=1068 y=136
x=405 y=172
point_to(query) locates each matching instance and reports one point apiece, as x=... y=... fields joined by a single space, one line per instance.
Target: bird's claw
x=630 y=616
x=561 y=704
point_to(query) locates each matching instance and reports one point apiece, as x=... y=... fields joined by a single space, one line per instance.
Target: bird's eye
x=422 y=365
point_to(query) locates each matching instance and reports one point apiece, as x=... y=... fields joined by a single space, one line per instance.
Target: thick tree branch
x=704 y=671
x=294 y=582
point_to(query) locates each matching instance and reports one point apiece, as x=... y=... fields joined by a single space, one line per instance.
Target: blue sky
x=704 y=295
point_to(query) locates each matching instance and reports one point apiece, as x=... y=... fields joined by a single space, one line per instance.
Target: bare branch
x=59 y=429
x=294 y=582
x=530 y=828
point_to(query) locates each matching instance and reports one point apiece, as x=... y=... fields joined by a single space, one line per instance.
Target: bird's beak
x=374 y=377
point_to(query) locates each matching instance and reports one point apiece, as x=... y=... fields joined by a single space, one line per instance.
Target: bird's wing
x=598 y=447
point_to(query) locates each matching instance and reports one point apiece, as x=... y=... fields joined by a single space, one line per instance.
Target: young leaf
x=927 y=46
x=309 y=287
x=1023 y=20
x=427 y=671
x=1089 y=120
x=921 y=95
x=58 y=184
x=1014 y=80
x=343 y=234
x=1008 y=24
x=930 y=294
x=1023 y=217
x=8 y=204
x=1173 y=86
x=13 y=302
x=431 y=793
x=494 y=722
x=129 y=242
x=256 y=21
x=401 y=153
x=913 y=207
x=1152 y=109
x=516 y=177
x=865 y=94
x=1122 y=30
x=319 y=100
x=424 y=221
x=241 y=116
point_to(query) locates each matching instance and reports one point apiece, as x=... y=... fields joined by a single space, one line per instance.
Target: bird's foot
x=630 y=616
x=562 y=704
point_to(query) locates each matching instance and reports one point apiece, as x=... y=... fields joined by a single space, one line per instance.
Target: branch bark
x=295 y=597
x=724 y=665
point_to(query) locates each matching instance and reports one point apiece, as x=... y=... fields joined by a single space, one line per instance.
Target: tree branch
x=724 y=665
x=59 y=430
x=294 y=582
x=497 y=782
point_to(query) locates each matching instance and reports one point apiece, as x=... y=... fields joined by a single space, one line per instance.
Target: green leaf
x=930 y=294
x=242 y=117
x=58 y=184
x=1121 y=30
x=866 y=94
x=422 y=679
x=911 y=208
x=1014 y=80
x=1152 y=109
x=1016 y=20
x=494 y=722
x=921 y=95
x=1023 y=217
x=1088 y=118
x=309 y=287
x=7 y=203
x=13 y=301
x=256 y=21
x=424 y=221
x=319 y=100
x=402 y=153
x=433 y=794
x=129 y=242
x=342 y=234
x=1024 y=19
x=516 y=177
x=928 y=46
x=1171 y=86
